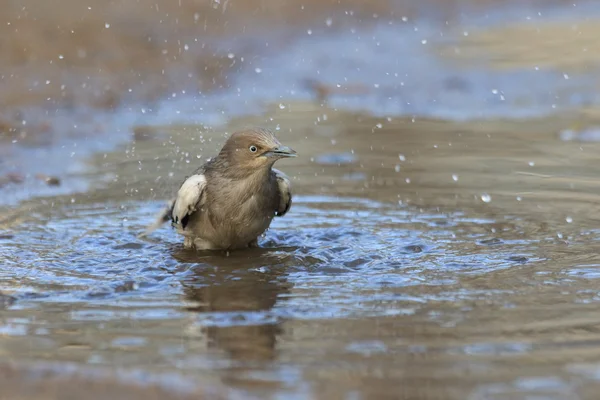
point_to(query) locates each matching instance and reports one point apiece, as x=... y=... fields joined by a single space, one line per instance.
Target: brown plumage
x=231 y=200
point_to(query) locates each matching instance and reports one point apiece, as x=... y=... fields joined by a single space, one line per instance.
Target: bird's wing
x=190 y=198
x=285 y=193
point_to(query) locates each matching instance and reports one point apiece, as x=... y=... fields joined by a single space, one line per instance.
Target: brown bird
x=231 y=200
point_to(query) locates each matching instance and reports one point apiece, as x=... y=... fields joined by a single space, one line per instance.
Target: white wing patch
x=285 y=193
x=189 y=199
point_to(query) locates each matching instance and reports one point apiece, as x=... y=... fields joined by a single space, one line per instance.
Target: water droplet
x=566 y=76
x=328 y=21
x=519 y=198
x=281 y=106
x=379 y=126
x=569 y=220
x=230 y=55
x=494 y=91
x=107 y=25
x=397 y=168
x=401 y=157
x=455 y=177
x=407 y=180
x=257 y=70
x=486 y=198
x=309 y=32
x=404 y=19
x=424 y=41
x=531 y=163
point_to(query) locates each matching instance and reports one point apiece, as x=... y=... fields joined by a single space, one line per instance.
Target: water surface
x=450 y=260
x=443 y=241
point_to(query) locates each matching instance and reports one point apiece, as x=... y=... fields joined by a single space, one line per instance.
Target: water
x=448 y=258
x=369 y=287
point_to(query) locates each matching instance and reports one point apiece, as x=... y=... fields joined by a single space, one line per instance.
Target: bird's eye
x=253 y=149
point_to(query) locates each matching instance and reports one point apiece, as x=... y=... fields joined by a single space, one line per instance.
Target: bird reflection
x=246 y=285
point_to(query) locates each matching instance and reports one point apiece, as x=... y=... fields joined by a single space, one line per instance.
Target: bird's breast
x=238 y=219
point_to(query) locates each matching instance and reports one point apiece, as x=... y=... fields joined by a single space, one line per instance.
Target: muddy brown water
x=442 y=260
x=443 y=241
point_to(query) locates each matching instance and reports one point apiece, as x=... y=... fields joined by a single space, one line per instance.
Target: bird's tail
x=164 y=216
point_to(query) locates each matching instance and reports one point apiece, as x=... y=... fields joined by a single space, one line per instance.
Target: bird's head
x=254 y=149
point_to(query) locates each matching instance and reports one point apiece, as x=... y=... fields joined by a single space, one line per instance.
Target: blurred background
x=442 y=240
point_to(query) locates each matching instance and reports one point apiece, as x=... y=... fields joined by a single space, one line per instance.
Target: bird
x=229 y=201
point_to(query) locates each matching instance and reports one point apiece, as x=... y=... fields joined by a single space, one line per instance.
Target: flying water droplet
x=486 y=198
x=455 y=177
x=569 y=220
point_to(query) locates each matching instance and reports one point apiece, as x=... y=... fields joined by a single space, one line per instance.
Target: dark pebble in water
x=6 y=237
x=50 y=180
x=491 y=242
x=414 y=248
x=129 y=246
x=6 y=301
x=335 y=158
x=518 y=259
x=128 y=286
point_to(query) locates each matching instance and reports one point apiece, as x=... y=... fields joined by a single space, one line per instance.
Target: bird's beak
x=280 y=152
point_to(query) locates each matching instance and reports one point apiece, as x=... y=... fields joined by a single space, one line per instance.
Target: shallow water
x=466 y=272
x=448 y=258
